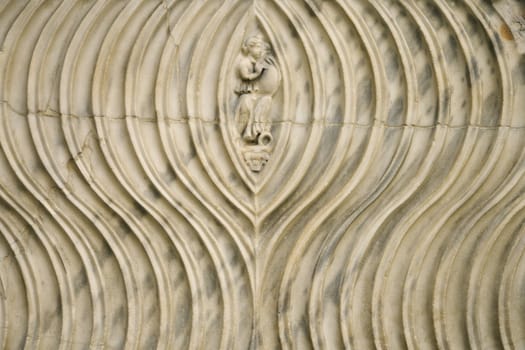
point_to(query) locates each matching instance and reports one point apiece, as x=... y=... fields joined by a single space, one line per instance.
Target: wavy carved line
x=107 y=198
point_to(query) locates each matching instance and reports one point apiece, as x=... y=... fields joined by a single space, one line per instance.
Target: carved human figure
x=258 y=79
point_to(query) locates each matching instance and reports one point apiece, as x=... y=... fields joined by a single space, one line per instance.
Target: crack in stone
x=49 y=113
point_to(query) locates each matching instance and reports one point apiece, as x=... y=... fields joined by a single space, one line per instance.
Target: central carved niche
x=257 y=78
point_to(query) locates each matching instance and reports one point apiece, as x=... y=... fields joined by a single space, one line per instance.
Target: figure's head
x=256 y=47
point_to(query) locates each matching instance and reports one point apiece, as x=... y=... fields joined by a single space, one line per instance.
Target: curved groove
x=318 y=283
x=368 y=155
x=229 y=318
x=195 y=114
x=320 y=272
x=170 y=54
x=153 y=256
x=30 y=285
x=509 y=303
x=410 y=111
x=443 y=113
x=148 y=168
x=116 y=244
x=318 y=108
x=92 y=266
x=483 y=253
x=167 y=318
x=335 y=163
x=415 y=264
x=23 y=175
x=360 y=173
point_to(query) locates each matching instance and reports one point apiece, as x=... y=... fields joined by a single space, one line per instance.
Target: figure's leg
x=243 y=114
x=248 y=133
x=262 y=115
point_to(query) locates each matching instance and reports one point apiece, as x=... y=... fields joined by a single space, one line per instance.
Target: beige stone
x=262 y=174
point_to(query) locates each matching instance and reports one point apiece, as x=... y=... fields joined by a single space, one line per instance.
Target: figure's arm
x=249 y=71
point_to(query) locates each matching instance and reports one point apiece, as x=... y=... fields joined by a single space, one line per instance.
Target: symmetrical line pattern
x=391 y=214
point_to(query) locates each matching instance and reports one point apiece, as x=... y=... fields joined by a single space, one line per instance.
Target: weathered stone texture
x=262 y=174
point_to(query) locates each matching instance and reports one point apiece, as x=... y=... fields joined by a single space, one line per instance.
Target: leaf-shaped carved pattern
x=389 y=214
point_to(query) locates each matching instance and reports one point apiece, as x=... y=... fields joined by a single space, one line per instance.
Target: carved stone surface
x=513 y=13
x=261 y=174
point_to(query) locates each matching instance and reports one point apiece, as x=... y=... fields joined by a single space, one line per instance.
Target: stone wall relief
x=264 y=174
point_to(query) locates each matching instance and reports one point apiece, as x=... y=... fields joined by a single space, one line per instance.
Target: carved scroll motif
x=257 y=79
